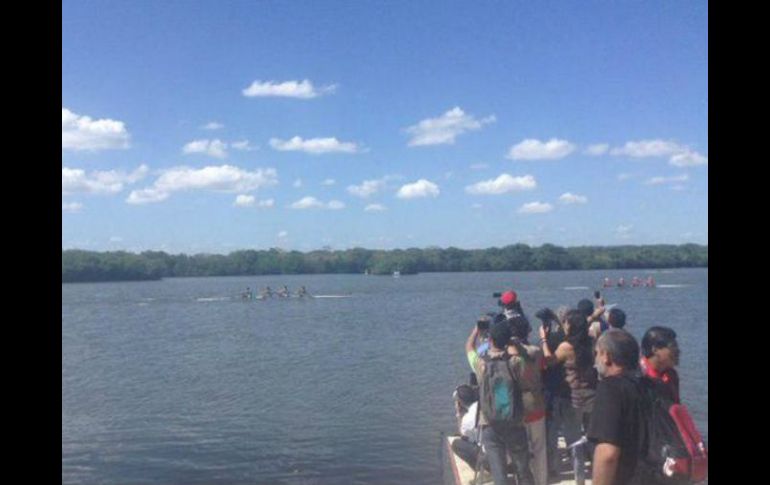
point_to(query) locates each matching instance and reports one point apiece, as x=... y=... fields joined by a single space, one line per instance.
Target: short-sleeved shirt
x=468 y=426
x=617 y=419
x=532 y=383
x=529 y=380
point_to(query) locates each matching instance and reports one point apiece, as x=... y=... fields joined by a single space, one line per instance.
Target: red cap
x=508 y=298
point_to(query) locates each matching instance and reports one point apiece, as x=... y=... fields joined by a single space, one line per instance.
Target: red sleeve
x=674 y=383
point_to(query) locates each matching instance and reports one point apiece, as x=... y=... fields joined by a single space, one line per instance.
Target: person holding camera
x=509 y=437
x=511 y=305
x=553 y=384
x=482 y=338
x=575 y=355
x=532 y=364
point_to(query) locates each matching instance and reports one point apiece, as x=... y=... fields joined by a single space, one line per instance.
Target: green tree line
x=82 y=266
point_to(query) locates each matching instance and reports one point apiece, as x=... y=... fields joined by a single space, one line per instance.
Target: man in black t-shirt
x=617 y=423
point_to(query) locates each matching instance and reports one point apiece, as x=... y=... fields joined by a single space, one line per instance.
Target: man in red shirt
x=660 y=354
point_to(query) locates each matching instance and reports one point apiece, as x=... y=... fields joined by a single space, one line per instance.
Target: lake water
x=178 y=381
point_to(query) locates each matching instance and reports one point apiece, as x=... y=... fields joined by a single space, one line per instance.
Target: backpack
x=500 y=393
x=672 y=449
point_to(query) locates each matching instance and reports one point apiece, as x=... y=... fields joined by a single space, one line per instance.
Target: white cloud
x=667 y=180
x=502 y=184
x=297 y=183
x=570 y=198
x=71 y=207
x=367 y=188
x=250 y=201
x=375 y=208
x=476 y=206
x=214 y=148
x=597 y=149
x=244 y=200
x=314 y=146
x=625 y=176
x=328 y=182
x=479 y=166
x=307 y=203
x=535 y=208
x=624 y=231
x=77 y=181
x=648 y=148
x=421 y=188
x=288 y=89
x=313 y=203
x=688 y=158
x=678 y=188
x=223 y=178
x=83 y=133
x=212 y=125
x=532 y=149
x=147 y=196
x=243 y=146
x=116 y=239
x=445 y=128
x=283 y=234
x=679 y=155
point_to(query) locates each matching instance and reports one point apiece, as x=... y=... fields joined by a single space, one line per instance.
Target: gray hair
x=561 y=312
x=621 y=347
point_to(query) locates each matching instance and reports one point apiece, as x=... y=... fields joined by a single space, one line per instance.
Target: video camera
x=484 y=322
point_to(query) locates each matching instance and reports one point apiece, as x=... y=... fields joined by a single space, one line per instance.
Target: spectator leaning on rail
x=496 y=440
x=660 y=354
x=617 y=425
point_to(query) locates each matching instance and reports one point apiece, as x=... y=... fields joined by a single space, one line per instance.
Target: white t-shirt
x=468 y=424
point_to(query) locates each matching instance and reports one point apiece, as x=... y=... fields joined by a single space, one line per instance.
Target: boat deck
x=463 y=474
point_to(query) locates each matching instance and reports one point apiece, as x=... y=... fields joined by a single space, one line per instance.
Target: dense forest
x=81 y=266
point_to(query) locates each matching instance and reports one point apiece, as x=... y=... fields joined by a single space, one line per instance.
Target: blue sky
x=203 y=126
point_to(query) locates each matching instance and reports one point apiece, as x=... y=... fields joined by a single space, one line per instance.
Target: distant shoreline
x=379 y=275
x=79 y=266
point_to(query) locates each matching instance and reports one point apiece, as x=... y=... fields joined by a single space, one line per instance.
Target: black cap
x=466 y=394
x=500 y=333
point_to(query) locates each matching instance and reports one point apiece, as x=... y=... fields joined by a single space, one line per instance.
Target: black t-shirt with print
x=617 y=419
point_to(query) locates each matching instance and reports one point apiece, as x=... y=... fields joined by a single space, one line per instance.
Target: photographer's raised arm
x=470 y=344
x=552 y=358
x=470 y=350
x=596 y=314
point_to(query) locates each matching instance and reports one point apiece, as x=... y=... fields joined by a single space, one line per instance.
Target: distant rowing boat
x=292 y=297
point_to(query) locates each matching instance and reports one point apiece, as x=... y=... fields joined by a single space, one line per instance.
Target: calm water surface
x=178 y=381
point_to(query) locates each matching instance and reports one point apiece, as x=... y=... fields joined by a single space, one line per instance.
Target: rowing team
x=283 y=292
x=635 y=281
